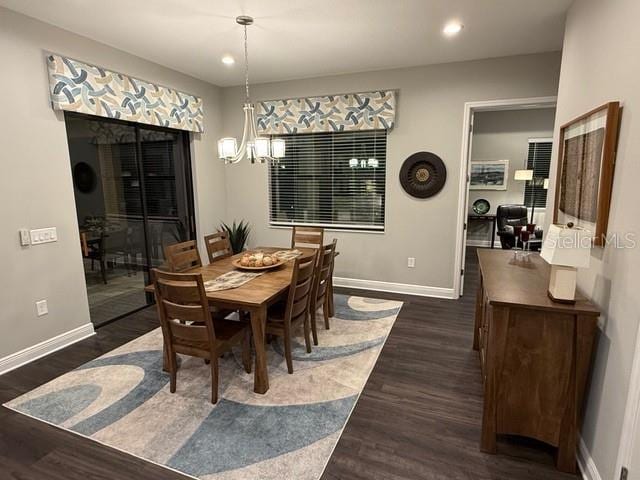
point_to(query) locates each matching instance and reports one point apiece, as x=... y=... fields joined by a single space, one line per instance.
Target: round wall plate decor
x=423 y=174
x=481 y=206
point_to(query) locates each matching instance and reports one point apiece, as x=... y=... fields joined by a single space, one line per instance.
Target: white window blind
x=330 y=179
x=538 y=160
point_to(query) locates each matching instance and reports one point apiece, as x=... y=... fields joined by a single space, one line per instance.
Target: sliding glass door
x=132 y=186
x=167 y=189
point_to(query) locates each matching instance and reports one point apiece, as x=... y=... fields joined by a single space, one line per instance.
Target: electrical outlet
x=41 y=307
x=411 y=262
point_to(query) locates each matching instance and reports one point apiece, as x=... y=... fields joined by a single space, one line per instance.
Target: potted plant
x=238 y=234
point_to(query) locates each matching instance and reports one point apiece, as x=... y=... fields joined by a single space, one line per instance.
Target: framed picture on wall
x=586 y=159
x=489 y=175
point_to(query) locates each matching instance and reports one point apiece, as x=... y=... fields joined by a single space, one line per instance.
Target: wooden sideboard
x=535 y=354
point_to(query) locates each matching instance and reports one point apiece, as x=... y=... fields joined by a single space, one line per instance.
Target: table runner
x=229 y=280
x=287 y=254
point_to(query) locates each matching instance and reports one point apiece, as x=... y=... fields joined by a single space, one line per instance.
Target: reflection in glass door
x=167 y=190
x=133 y=196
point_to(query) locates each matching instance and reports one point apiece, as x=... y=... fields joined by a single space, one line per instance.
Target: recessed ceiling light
x=228 y=60
x=452 y=28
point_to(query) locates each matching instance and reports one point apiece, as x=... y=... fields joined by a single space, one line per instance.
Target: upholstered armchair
x=507 y=217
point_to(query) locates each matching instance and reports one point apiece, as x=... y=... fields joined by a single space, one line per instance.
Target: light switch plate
x=25 y=239
x=43 y=235
x=411 y=262
x=42 y=308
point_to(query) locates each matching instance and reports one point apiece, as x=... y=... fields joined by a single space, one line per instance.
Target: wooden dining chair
x=94 y=250
x=189 y=328
x=183 y=256
x=330 y=302
x=218 y=246
x=308 y=237
x=282 y=319
x=321 y=290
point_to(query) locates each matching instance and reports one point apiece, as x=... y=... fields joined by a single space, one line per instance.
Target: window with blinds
x=330 y=179
x=538 y=160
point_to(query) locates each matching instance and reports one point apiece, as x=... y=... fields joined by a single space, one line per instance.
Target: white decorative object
x=252 y=147
x=566 y=249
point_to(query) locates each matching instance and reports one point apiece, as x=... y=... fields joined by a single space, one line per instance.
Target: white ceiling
x=306 y=38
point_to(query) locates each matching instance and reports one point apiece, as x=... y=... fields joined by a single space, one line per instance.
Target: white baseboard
x=408 y=289
x=586 y=464
x=29 y=354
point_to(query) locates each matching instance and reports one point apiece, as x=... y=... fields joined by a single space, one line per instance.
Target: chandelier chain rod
x=246 y=65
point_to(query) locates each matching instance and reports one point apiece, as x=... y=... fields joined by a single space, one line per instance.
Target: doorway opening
x=506 y=155
x=133 y=193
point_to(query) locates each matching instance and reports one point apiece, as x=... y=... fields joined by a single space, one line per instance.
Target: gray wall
x=36 y=188
x=504 y=135
x=430 y=114
x=600 y=63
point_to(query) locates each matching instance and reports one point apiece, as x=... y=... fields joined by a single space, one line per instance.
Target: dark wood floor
x=418 y=417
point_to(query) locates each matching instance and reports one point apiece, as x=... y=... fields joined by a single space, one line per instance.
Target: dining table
x=254 y=298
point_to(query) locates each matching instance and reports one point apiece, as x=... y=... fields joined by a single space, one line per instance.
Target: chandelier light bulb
x=227 y=148
x=262 y=147
x=277 y=148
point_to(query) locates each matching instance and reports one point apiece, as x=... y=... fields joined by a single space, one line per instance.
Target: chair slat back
x=301 y=288
x=218 y=246
x=182 y=256
x=181 y=298
x=309 y=237
x=323 y=272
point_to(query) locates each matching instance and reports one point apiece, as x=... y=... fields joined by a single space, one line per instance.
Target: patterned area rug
x=122 y=400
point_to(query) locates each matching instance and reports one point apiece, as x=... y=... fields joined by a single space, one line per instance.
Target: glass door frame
x=188 y=176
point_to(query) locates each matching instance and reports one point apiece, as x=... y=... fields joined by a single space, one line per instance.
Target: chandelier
x=253 y=147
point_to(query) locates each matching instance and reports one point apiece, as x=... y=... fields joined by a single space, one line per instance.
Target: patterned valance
x=80 y=87
x=329 y=113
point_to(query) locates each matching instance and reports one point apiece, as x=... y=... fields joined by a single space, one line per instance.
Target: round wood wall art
x=84 y=177
x=423 y=174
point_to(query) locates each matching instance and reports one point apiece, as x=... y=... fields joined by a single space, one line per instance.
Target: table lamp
x=523 y=175
x=565 y=248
